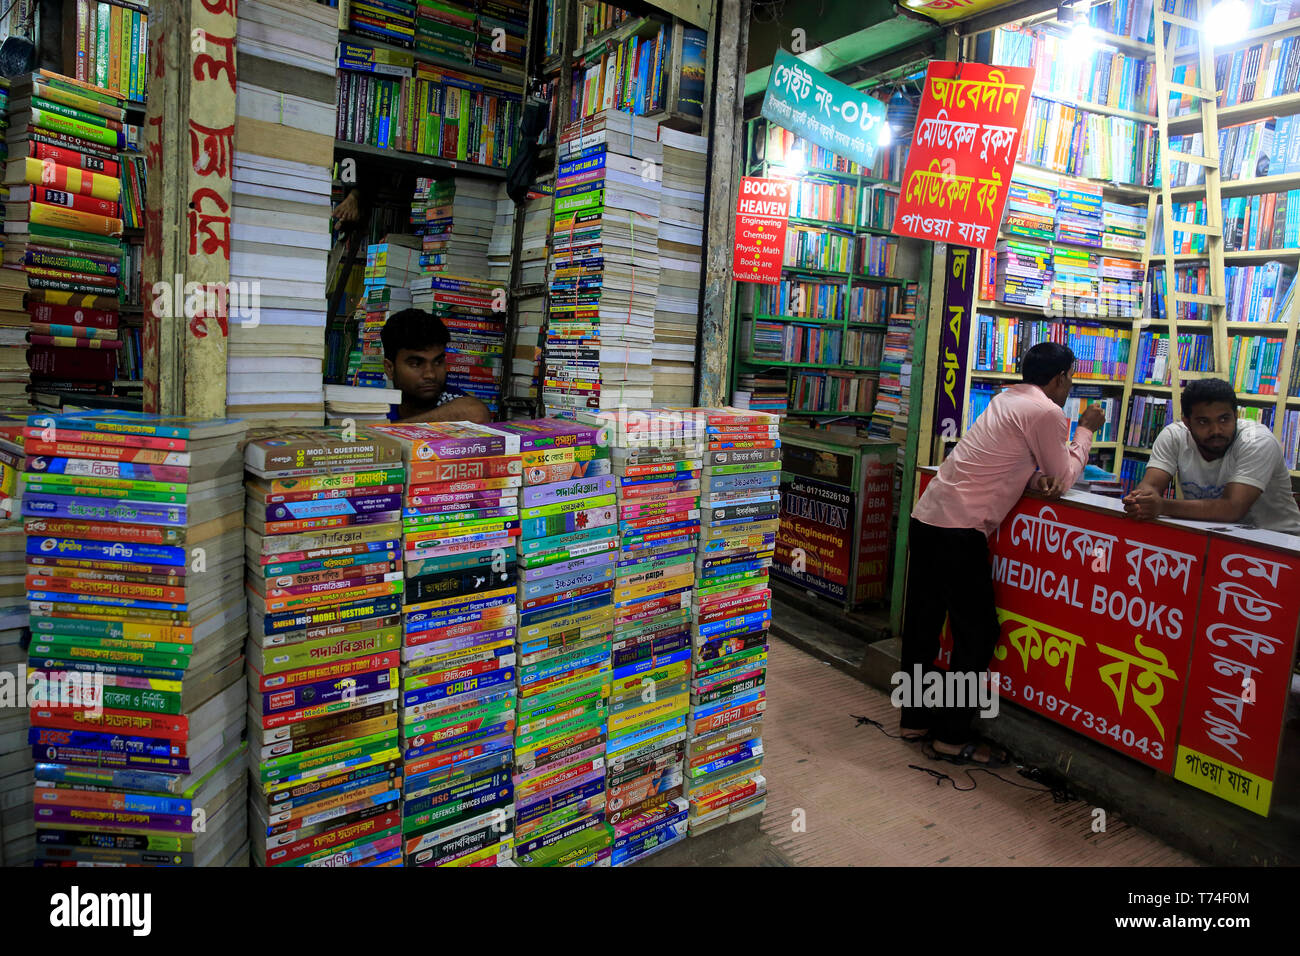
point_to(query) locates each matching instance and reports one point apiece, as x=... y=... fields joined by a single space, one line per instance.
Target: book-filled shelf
x=1081 y=257
x=829 y=345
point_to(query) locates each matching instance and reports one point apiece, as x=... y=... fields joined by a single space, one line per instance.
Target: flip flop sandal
x=966 y=758
x=920 y=738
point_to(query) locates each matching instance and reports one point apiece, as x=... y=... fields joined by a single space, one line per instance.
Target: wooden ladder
x=1213 y=299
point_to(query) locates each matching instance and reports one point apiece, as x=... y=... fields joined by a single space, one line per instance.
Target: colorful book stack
x=106 y=44
x=324 y=579
x=681 y=241
x=1022 y=273
x=1123 y=227
x=134 y=547
x=391 y=266
x=281 y=181
x=731 y=613
x=893 y=401
x=1147 y=415
x=17 y=838
x=62 y=221
x=1120 y=287
x=1076 y=285
x=566 y=619
x=460 y=522
x=392 y=21
x=657 y=458
x=502 y=26
x=444 y=32
x=604 y=266
x=455 y=219
x=1079 y=214
x=762 y=391
x=1255 y=364
x=1030 y=209
x=526 y=363
x=467 y=118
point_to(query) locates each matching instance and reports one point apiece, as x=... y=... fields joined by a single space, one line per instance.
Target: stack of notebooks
x=681 y=245
x=324 y=579
x=391 y=266
x=62 y=223
x=455 y=219
x=460 y=522
x=604 y=266
x=134 y=528
x=279 y=226
x=344 y=403
x=731 y=613
x=657 y=459
x=569 y=537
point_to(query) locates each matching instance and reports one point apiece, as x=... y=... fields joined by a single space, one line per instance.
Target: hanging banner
x=762 y=212
x=876 y=507
x=810 y=104
x=946 y=11
x=954 y=341
x=1240 y=675
x=954 y=188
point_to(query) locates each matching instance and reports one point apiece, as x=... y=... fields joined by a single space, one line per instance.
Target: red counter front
x=1171 y=642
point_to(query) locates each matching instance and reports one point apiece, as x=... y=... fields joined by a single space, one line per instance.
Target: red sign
x=876 y=506
x=762 y=211
x=968 y=127
x=1240 y=674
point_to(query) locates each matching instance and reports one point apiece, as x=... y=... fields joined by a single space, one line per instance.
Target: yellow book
x=47 y=215
x=33 y=171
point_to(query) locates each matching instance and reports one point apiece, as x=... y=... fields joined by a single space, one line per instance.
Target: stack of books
x=324 y=578
x=1147 y=415
x=1022 y=273
x=444 y=32
x=762 y=392
x=502 y=28
x=731 y=612
x=357 y=404
x=279 y=220
x=460 y=522
x=135 y=547
x=893 y=401
x=1031 y=208
x=391 y=266
x=530 y=314
x=455 y=220
x=502 y=240
x=1079 y=213
x=657 y=459
x=62 y=223
x=566 y=620
x=1120 y=287
x=681 y=245
x=1123 y=227
x=393 y=21
x=471 y=119
x=604 y=266
x=17 y=837
x=1076 y=284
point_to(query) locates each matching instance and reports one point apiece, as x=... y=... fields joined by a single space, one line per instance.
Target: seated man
x=1231 y=469
x=415 y=358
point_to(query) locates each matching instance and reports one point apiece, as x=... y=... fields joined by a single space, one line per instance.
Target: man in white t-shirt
x=1231 y=469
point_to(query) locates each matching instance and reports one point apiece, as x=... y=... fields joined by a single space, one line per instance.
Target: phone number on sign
x=1085 y=718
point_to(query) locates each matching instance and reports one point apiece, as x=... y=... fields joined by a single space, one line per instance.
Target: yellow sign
x=947 y=11
x=1223 y=780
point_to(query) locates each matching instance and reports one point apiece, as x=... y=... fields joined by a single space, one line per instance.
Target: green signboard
x=810 y=104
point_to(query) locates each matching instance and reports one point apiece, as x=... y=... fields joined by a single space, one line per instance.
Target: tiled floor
x=862 y=806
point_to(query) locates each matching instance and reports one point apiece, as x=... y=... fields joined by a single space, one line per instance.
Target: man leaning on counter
x=1231 y=469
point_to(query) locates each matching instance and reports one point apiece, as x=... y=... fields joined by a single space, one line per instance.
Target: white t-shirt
x=1254 y=458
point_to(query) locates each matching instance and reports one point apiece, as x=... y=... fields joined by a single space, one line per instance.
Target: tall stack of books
x=279 y=226
x=1022 y=273
x=657 y=459
x=731 y=613
x=502 y=240
x=460 y=522
x=681 y=244
x=62 y=223
x=457 y=217
x=1079 y=213
x=604 y=266
x=526 y=364
x=324 y=578
x=569 y=536
x=391 y=266
x=893 y=401
x=17 y=838
x=134 y=543
x=502 y=26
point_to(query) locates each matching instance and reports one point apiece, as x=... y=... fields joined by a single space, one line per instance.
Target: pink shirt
x=1020 y=434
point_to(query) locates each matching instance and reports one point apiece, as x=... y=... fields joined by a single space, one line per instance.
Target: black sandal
x=966 y=758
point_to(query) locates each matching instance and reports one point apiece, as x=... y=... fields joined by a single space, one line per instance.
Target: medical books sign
x=810 y=104
x=954 y=188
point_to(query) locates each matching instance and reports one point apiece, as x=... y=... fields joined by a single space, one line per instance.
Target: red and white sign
x=968 y=128
x=762 y=212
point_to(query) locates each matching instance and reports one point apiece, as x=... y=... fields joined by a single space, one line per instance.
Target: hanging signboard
x=824 y=111
x=762 y=211
x=954 y=341
x=954 y=188
x=948 y=11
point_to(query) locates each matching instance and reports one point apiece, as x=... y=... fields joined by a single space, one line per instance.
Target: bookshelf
x=1217 y=320
x=841 y=313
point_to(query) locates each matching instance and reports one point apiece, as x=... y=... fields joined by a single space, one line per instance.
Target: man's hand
x=1048 y=486
x=1093 y=418
x=1143 y=504
x=348 y=212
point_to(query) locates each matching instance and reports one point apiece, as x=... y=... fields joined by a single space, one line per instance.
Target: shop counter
x=1170 y=641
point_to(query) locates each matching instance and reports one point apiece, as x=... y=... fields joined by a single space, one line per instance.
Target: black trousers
x=948 y=573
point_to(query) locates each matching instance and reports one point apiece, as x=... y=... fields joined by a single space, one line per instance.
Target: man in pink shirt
x=1020 y=443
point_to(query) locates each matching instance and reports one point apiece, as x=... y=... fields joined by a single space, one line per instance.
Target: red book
x=97 y=365
x=66 y=156
x=71 y=315
x=60 y=197
x=75 y=342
